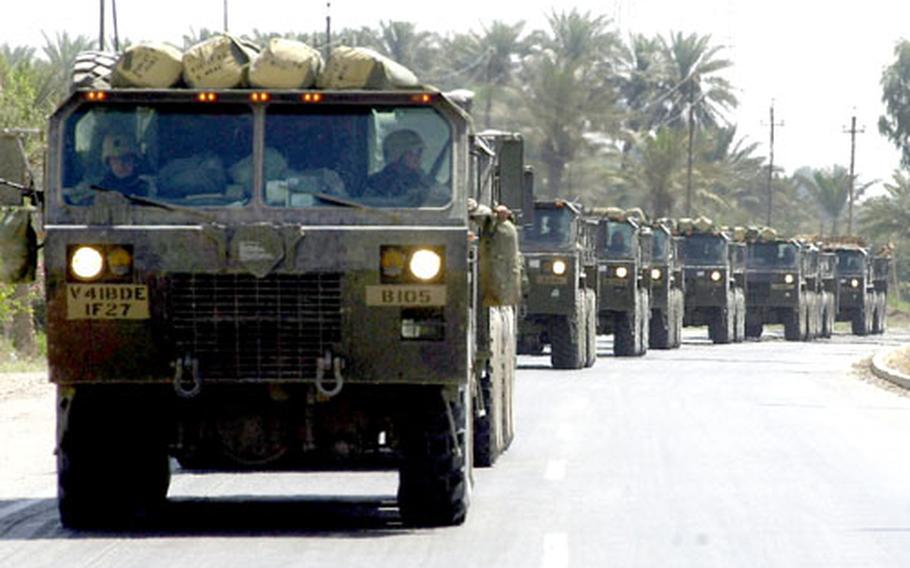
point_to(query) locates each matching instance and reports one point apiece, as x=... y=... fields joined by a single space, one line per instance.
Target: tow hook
x=187 y=382
x=333 y=364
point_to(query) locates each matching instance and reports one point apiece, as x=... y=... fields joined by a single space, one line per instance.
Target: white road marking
x=555 y=550
x=556 y=470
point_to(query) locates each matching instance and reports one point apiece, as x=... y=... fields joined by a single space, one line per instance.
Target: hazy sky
x=820 y=61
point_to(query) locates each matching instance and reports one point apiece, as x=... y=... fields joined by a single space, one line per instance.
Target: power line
x=772 y=124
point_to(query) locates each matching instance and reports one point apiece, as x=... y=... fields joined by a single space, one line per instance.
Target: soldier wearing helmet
x=121 y=162
x=402 y=178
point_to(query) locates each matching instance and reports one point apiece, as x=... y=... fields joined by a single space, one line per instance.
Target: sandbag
x=285 y=64
x=363 y=68
x=500 y=265
x=219 y=62
x=148 y=65
x=197 y=175
x=18 y=245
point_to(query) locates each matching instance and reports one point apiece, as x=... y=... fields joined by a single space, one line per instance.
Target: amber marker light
x=206 y=97
x=311 y=97
x=96 y=96
x=260 y=97
x=422 y=98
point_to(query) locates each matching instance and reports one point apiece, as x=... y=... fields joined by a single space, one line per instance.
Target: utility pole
x=116 y=28
x=101 y=29
x=771 y=165
x=689 y=160
x=225 y=16
x=853 y=131
x=328 y=29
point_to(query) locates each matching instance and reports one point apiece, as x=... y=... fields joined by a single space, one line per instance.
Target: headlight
x=788 y=279
x=655 y=274
x=622 y=272
x=716 y=276
x=559 y=267
x=854 y=283
x=87 y=263
x=425 y=264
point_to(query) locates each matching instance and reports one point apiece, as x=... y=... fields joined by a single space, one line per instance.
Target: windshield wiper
x=153 y=202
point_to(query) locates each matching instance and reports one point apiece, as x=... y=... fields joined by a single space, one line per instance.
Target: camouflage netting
x=18 y=245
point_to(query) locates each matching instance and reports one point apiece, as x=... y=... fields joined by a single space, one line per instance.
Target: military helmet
x=117 y=145
x=397 y=143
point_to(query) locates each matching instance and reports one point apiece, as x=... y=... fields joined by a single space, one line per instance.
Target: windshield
x=850 y=262
x=376 y=156
x=189 y=155
x=702 y=249
x=618 y=242
x=551 y=227
x=771 y=255
x=660 y=248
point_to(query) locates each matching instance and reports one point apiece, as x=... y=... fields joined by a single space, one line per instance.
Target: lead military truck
x=252 y=306
x=715 y=280
x=560 y=303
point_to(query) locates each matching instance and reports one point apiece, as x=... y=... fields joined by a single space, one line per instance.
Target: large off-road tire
x=567 y=338
x=720 y=327
x=112 y=465
x=739 y=326
x=591 y=324
x=644 y=316
x=659 y=329
x=433 y=485
x=677 y=318
x=485 y=445
x=528 y=345
x=92 y=70
x=812 y=317
x=860 y=323
x=793 y=324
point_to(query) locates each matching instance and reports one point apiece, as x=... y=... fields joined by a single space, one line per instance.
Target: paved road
x=761 y=454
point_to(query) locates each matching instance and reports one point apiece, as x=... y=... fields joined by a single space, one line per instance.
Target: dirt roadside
x=24 y=385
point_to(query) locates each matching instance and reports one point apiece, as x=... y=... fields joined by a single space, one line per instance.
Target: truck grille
x=758 y=292
x=243 y=327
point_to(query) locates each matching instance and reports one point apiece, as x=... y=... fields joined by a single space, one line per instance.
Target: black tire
x=721 y=324
x=793 y=325
x=754 y=329
x=92 y=70
x=591 y=322
x=485 y=450
x=112 y=465
x=739 y=325
x=433 y=477
x=624 y=326
x=567 y=338
x=644 y=317
x=678 y=319
x=859 y=323
x=659 y=330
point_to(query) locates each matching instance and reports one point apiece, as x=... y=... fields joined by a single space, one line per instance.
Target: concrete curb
x=882 y=371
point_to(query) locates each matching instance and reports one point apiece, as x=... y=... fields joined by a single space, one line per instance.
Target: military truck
x=715 y=280
x=560 y=303
x=881 y=273
x=667 y=294
x=855 y=285
x=623 y=265
x=827 y=267
x=249 y=298
x=783 y=277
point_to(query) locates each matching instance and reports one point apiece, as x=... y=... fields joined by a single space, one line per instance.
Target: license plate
x=107 y=301
x=411 y=296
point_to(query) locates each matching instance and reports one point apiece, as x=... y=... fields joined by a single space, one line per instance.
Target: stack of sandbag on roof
x=363 y=68
x=285 y=64
x=148 y=65
x=219 y=62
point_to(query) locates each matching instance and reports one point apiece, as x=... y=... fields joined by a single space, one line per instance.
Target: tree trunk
x=555 y=169
x=22 y=330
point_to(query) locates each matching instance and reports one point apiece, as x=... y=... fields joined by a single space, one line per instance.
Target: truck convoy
x=715 y=280
x=861 y=294
x=623 y=265
x=288 y=278
x=560 y=303
x=667 y=294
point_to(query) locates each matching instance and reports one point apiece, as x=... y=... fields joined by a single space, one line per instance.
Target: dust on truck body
x=560 y=302
x=714 y=272
x=259 y=304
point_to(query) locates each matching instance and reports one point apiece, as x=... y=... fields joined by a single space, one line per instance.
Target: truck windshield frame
x=704 y=249
x=850 y=262
x=660 y=246
x=552 y=228
x=619 y=237
x=771 y=255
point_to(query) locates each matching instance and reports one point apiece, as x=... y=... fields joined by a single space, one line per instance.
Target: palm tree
x=567 y=88
x=405 y=44
x=887 y=217
x=698 y=92
x=830 y=189
x=60 y=54
x=653 y=169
